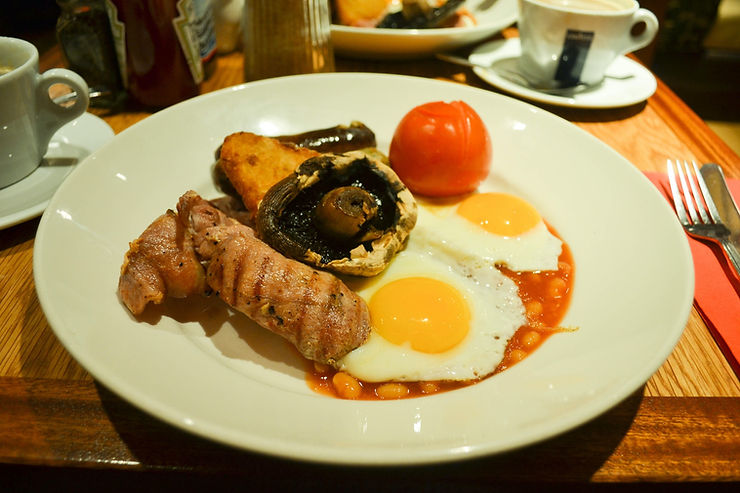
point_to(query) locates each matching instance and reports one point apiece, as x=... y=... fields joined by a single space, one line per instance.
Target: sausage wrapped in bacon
x=312 y=309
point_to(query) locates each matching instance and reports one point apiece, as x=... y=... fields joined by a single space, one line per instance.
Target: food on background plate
x=479 y=283
x=359 y=13
x=441 y=149
x=402 y=14
x=347 y=213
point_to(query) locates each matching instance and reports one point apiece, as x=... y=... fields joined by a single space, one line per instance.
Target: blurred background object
x=697 y=54
x=168 y=46
x=32 y=20
x=286 y=37
x=227 y=15
x=686 y=24
x=84 y=32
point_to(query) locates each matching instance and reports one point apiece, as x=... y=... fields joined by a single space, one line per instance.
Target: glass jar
x=84 y=34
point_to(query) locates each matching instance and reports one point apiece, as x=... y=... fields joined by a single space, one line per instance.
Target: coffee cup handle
x=646 y=36
x=51 y=116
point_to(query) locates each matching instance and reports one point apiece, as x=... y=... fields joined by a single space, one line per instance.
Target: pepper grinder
x=286 y=37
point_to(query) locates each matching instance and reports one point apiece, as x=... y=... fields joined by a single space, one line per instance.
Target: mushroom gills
x=337 y=211
x=298 y=219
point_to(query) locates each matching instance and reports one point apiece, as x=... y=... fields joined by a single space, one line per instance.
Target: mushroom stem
x=344 y=211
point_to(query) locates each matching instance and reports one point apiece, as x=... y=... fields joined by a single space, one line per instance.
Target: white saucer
x=612 y=93
x=71 y=144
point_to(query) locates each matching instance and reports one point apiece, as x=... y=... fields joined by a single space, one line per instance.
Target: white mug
x=28 y=115
x=569 y=42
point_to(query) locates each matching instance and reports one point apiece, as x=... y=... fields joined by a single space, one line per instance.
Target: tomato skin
x=441 y=149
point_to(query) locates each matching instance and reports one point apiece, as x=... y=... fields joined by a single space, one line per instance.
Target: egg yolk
x=499 y=213
x=430 y=315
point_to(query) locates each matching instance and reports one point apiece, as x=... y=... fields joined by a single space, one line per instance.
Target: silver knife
x=726 y=206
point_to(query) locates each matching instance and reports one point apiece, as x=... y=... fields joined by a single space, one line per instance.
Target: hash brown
x=254 y=163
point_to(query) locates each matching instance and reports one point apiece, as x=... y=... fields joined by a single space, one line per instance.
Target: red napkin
x=717 y=289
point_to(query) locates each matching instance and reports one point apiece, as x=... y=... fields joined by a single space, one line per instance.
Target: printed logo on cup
x=573 y=57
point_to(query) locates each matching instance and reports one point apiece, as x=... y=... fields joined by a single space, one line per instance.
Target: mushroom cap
x=287 y=217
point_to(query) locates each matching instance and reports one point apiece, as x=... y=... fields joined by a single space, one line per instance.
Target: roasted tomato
x=441 y=149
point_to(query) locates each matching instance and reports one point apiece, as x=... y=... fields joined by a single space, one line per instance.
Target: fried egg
x=434 y=317
x=495 y=227
x=442 y=310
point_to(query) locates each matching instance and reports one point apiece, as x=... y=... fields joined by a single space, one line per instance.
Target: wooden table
x=683 y=425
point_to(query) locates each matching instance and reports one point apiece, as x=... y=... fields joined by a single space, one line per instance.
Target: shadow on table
x=570 y=458
x=596 y=115
x=20 y=233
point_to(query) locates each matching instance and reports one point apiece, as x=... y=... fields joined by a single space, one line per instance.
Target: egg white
x=534 y=250
x=496 y=314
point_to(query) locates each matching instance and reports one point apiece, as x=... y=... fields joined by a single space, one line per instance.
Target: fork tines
x=693 y=205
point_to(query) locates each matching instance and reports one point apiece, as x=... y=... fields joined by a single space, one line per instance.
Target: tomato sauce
x=545 y=295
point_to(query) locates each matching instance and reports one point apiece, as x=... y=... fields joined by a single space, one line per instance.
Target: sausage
x=312 y=309
x=160 y=263
x=338 y=139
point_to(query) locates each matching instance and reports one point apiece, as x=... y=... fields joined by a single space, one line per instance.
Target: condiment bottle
x=164 y=45
x=204 y=27
x=285 y=37
x=84 y=34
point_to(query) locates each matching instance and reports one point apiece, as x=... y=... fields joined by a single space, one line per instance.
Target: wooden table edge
x=664 y=439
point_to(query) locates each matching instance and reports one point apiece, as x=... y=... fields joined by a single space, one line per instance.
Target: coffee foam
x=595 y=5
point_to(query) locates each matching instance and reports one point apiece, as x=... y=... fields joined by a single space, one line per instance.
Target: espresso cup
x=570 y=42
x=28 y=115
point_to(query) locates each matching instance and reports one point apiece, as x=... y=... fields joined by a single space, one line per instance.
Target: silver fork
x=699 y=216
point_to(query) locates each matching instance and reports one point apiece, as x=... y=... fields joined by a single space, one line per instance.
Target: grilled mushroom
x=348 y=213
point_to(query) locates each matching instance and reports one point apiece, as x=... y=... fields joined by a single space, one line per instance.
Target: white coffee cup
x=568 y=42
x=28 y=115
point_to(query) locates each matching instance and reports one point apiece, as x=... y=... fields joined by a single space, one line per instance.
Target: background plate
x=492 y=16
x=203 y=369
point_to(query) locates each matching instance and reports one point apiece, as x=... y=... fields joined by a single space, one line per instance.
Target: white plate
x=612 y=93
x=364 y=42
x=73 y=142
x=217 y=375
